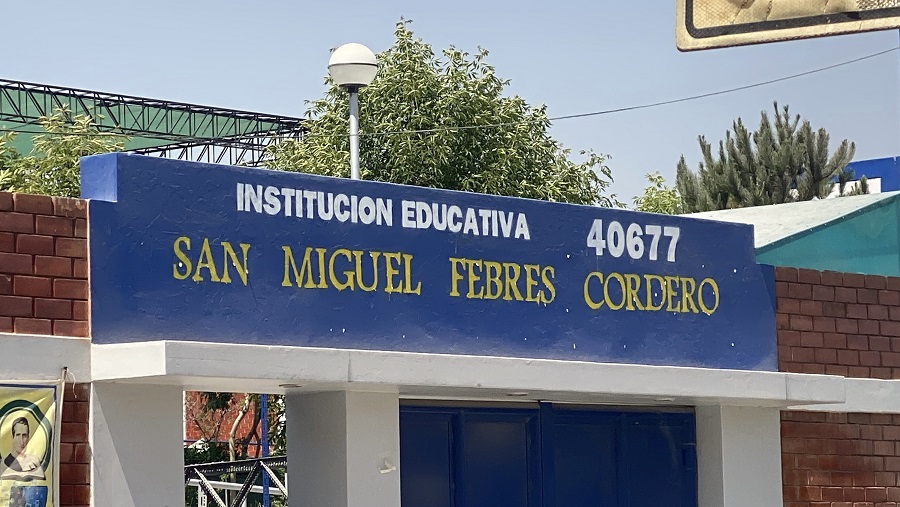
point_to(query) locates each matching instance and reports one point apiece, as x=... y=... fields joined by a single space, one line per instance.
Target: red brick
x=857 y=342
x=836 y=340
x=7 y=242
x=818 y=369
x=846 y=326
x=70 y=328
x=76 y=412
x=782 y=321
x=859 y=372
x=812 y=308
x=842 y=479
x=811 y=339
x=802 y=355
x=6 y=285
x=6 y=202
x=16 y=222
x=54 y=226
x=80 y=310
x=870 y=432
x=895 y=312
x=868 y=327
x=15 y=263
x=35 y=204
x=71 y=289
x=889 y=297
x=844 y=295
x=832 y=494
x=801 y=323
x=855 y=494
x=881 y=373
x=855 y=311
x=32 y=326
x=881 y=418
x=784 y=274
x=876 y=494
x=854 y=280
x=886 y=479
x=832 y=278
x=34 y=286
x=810 y=493
x=800 y=291
x=879 y=343
x=795 y=477
x=892 y=464
x=69 y=207
x=788 y=305
x=891 y=359
x=893 y=494
x=887 y=328
x=15 y=306
x=830 y=309
x=867 y=296
x=833 y=369
x=789 y=338
x=824 y=324
x=80 y=268
x=6 y=325
x=81 y=229
x=848 y=357
x=870 y=358
x=33 y=244
x=70 y=473
x=52 y=266
x=71 y=247
x=826 y=356
x=876 y=282
x=809 y=276
x=74 y=432
x=55 y=308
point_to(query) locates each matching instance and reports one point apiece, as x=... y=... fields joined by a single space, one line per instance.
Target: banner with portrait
x=29 y=418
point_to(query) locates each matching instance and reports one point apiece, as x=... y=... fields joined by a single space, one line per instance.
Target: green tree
x=782 y=162
x=52 y=167
x=443 y=122
x=658 y=198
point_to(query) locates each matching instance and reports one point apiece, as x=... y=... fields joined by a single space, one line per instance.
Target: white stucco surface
x=30 y=357
x=738 y=456
x=244 y=368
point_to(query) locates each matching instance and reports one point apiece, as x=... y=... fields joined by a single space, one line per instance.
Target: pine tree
x=784 y=161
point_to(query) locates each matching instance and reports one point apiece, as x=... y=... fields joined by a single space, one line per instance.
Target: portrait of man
x=18 y=464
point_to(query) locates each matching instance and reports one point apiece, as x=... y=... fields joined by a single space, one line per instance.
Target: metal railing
x=199 y=476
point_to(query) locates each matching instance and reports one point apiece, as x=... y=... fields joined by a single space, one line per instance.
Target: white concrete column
x=739 y=456
x=137 y=445
x=343 y=449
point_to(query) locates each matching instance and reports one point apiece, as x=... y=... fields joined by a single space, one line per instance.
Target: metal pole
x=264 y=422
x=354 y=133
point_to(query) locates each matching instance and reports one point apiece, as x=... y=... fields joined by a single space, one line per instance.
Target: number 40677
x=636 y=239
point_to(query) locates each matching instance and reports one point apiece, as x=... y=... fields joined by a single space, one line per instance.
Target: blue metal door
x=546 y=456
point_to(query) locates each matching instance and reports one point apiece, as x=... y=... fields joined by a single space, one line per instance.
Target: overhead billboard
x=188 y=251
x=707 y=24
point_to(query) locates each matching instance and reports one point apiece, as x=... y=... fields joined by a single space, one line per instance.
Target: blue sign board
x=189 y=251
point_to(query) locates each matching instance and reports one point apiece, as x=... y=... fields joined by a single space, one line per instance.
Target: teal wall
x=864 y=242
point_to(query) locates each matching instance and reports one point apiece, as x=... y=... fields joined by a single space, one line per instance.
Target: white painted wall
x=136 y=443
x=738 y=456
x=343 y=449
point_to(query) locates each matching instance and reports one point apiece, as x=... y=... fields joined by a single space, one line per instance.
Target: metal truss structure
x=203 y=476
x=154 y=127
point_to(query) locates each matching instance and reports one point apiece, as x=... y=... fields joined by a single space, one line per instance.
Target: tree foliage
x=658 y=198
x=443 y=122
x=782 y=162
x=52 y=167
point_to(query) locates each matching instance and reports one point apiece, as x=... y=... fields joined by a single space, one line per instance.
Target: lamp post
x=353 y=66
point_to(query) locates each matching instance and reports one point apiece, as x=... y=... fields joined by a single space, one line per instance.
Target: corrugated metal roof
x=779 y=221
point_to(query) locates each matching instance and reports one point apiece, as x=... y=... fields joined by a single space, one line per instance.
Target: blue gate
x=546 y=456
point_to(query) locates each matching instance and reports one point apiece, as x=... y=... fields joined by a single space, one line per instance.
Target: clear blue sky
x=575 y=56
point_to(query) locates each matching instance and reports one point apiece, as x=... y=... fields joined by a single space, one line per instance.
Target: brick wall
x=44 y=290
x=839 y=324
x=43 y=265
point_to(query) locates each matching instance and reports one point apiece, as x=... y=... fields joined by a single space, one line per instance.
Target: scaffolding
x=153 y=127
